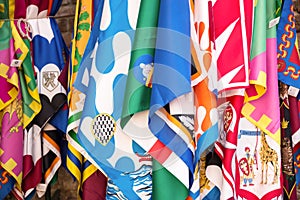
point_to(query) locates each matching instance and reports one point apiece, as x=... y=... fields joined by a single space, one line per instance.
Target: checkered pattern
x=103 y=128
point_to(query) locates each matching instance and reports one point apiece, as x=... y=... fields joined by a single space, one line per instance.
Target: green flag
x=137 y=102
x=166 y=185
x=138 y=88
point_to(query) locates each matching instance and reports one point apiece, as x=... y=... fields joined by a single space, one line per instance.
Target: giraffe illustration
x=267 y=155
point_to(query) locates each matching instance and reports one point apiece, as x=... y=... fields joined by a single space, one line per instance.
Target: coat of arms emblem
x=50 y=80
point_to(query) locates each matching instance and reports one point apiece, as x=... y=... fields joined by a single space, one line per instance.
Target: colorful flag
x=204 y=82
x=295 y=128
x=258 y=168
x=263 y=75
x=12 y=136
x=103 y=84
x=32 y=158
x=137 y=102
x=289 y=177
x=82 y=169
x=171 y=106
x=230 y=30
x=48 y=64
x=31 y=98
x=31 y=107
x=11 y=98
x=92 y=176
x=6 y=184
x=263 y=62
x=287 y=48
x=205 y=91
x=226 y=146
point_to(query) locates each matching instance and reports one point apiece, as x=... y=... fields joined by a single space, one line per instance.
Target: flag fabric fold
x=86 y=173
x=263 y=63
x=160 y=99
x=230 y=32
x=11 y=104
x=204 y=82
x=287 y=48
x=103 y=84
x=48 y=67
x=288 y=172
x=171 y=110
x=265 y=119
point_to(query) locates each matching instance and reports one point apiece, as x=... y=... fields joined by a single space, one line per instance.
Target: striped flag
x=92 y=176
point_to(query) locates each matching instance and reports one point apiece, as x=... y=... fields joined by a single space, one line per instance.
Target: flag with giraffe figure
x=258 y=172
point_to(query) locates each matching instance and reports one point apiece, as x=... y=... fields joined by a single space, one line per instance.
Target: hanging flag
x=137 y=103
x=171 y=106
x=75 y=150
x=92 y=176
x=103 y=84
x=232 y=69
x=295 y=128
x=31 y=99
x=82 y=169
x=258 y=164
x=224 y=155
x=11 y=98
x=10 y=89
x=205 y=91
x=12 y=136
x=31 y=107
x=230 y=31
x=51 y=138
x=48 y=65
x=6 y=184
x=289 y=178
x=263 y=67
x=206 y=116
x=267 y=119
x=32 y=158
x=287 y=48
